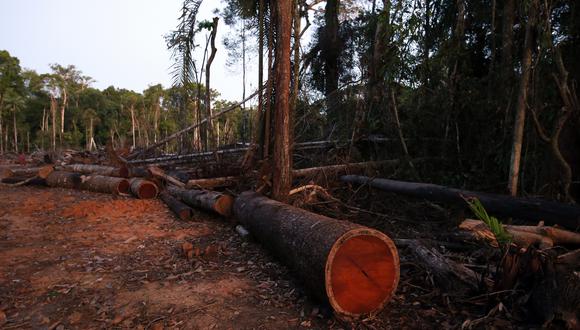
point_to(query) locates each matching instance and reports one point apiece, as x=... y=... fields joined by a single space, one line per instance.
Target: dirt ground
x=78 y=260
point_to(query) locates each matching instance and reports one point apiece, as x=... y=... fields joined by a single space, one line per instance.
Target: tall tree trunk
x=509 y=13
x=330 y=53
x=282 y=167
x=269 y=83
x=522 y=100
x=296 y=69
x=53 y=106
x=15 y=130
x=207 y=83
x=62 y=109
x=260 y=60
x=132 y=111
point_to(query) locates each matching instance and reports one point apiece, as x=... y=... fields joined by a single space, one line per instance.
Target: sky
x=116 y=42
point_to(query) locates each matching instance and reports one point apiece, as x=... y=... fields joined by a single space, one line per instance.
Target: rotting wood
x=121 y=172
x=355 y=268
x=525 y=208
x=180 y=209
x=143 y=189
x=217 y=202
x=450 y=275
x=524 y=236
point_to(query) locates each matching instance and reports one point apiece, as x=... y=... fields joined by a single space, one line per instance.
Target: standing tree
x=282 y=162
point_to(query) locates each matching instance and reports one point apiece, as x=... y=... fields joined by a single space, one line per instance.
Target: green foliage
x=501 y=235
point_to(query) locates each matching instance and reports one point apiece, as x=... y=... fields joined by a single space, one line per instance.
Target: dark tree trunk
x=330 y=52
x=353 y=267
x=524 y=208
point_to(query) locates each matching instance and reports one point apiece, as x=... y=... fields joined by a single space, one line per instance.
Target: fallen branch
x=159 y=173
x=525 y=208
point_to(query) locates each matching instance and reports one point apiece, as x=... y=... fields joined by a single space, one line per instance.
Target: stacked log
x=94 y=183
x=27 y=172
x=143 y=189
x=122 y=171
x=355 y=268
x=105 y=184
x=182 y=211
x=214 y=201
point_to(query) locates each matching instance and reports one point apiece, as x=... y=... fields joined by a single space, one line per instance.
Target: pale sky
x=116 y=42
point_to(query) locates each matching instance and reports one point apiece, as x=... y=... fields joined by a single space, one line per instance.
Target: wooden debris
x=211 y=183
x=41 y=172
x=95 y=183
x=122 y=171
x=159 y=173
x=524 y=236
x=205 y=199
x=530 y=209
x=353 y=267
x=143 y=189
x=182 y=211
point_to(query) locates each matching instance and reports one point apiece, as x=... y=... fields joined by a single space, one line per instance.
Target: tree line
x=61 y=109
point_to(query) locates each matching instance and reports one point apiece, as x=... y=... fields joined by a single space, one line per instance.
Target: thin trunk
x=15 y=130
x=211 y=138
x=132 y=111
x=53 y=106
x=62 y=109
x=282 y=165
x=509 y=14
x=269 y=84
x=522 y=101
x=491 y=73
x=260 y=58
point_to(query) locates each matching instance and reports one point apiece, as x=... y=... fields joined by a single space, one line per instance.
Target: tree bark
x=330 y=53
x=353 y=267
x=143 y=189
x=205 y=199
x=519 y=125
x=282 y=162
x=95 y=183
x=207 y=83
x=122 y=172
x=181 y=210
x=525 y=208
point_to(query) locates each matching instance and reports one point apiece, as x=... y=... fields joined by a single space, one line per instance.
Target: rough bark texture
x=205 y=199
x=62 y=179
x=105 y=184
x=181 y=210
x=530 y=209
x=122 y=172
x=212 y=182
x=282 y=165
x=353 y=267
x=143 y=189
x=41 y=172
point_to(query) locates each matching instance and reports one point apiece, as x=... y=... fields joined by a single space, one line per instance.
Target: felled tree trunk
x=143 y=189
x=105 y=184
x=122 y=172
x=95 y=183
x=524 y=208
x=41 y=172
x=353 y=267
x=205 y=199
x=182 y=211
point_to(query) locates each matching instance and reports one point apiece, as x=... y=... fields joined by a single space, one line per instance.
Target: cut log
x=143 y=189
x=205 y=199
x=533 y=209
x=342 y=168
x=104 y=184
x=138 y=172
x=121 y=172
x=182 y=211
x=159 y=173
x=524 y=236
x=211 y=183
x=41 y=172
x=62 y=179
x=354 y=268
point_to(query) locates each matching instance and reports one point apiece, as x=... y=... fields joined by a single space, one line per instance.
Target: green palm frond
x=501 y=235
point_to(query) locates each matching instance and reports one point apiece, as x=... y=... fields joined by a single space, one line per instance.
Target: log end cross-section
x=362 y=272
x=144 y=189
